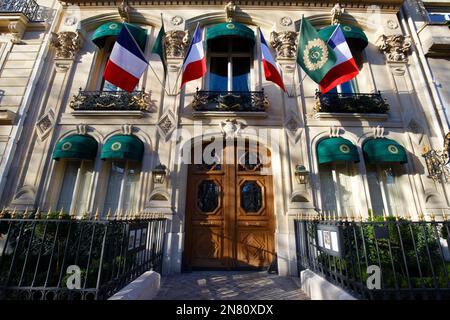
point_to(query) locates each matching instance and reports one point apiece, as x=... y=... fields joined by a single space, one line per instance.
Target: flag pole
x=148 y=62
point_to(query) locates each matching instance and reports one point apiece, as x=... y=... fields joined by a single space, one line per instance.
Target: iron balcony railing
x=411 y=257
x=109 y=100
x=61 y=258
x=350 y=103
x=28 y=7
x=242 y=101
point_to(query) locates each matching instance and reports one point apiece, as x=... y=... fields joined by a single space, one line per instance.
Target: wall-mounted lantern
x=159 y=173
x=301 y=174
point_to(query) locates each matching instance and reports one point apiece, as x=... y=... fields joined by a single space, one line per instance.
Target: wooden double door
x=229 y=210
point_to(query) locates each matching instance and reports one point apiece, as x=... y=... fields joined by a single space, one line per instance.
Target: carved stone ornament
x=126 y=129
x=45 y=124
x=285 y=21
x=176 y=20
x=231 y=128
x=166 y=124
x=395 y=47
x=16 y=28
x=82 y=129
x=336 y=13
x=284 y=43
x=378 y=132
x=176 y=42
x=335 y=131
x=230 y=10
x=66 y=44
x=124 y=11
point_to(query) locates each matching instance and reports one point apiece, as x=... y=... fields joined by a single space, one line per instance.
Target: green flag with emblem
x=313 y=54
x=158 y=47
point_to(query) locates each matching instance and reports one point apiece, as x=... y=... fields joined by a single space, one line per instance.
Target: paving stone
x=226 y=285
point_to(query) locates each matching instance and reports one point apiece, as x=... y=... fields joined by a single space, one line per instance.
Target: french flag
x=271 y=71
x=345 y=67
x=126 y=63
x=194 y=64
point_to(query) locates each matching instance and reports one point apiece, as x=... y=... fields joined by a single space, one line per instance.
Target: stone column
x=66 y=45
x=176 y=41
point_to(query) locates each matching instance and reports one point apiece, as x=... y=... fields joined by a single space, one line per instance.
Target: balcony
x=29 y=8
x=351 y=105
x=226 y=103
x=110 y=103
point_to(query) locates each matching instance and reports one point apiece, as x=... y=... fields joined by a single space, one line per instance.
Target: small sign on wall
x=329 y=240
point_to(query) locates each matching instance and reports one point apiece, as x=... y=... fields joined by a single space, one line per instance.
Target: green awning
x=123 y=147
x=112 y=29
x=77 y=146
x=230 y=29
x=336 y=149
x=352 y=33
x=383 y=151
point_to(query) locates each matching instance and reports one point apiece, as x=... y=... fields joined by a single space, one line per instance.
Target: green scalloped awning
x=230 y=29
x=350 y=32
x=112 y=29
x=384 y=151
x=336 y=149
x=77 y=146
x=123 y=147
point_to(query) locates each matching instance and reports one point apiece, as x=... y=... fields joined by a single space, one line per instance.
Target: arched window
x=384 y=159
x=76 y=153
x=230 y=57
x=336 y=157
x=123 y=156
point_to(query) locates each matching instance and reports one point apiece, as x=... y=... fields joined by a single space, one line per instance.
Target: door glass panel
x=218 y=74
x=251 y=196
x=116 y=174
x=208 y=196
x=68 y=185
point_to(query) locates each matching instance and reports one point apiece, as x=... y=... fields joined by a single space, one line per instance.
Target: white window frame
x=229 y=54
x=351 y=170
x=120 y=203
x=75 y=195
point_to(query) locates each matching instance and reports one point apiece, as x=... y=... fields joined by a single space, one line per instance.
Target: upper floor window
x=230 y=57
x=104 y=37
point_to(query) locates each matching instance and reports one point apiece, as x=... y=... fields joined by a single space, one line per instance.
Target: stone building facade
x=71 y=142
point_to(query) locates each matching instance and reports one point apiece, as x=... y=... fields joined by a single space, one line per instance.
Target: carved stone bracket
x=231 y=128
x=336 y=14
x=395 y=47
x=284 y=43
x=16 y=28
x=127 y=129
x=124 y=11
x=230 y=11
x=66 y=44
x=378 y=132
x=335 y=131
x=176 y=42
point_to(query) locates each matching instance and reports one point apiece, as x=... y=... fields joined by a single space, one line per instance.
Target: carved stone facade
x=336 y=14
x=284 y=43
x=395 y=47
x=66 y=44
x=230 y=10
x=176 y=42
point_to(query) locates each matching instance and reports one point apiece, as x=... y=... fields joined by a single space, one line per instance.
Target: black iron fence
x=28 y=7
x=109 y=100
x=350 y=103
x=383 y=258
x=241 y=101
x=62 y=258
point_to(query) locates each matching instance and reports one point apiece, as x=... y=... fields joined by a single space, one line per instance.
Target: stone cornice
x=359 y=4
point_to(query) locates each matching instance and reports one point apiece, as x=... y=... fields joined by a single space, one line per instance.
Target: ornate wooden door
x=229 y=211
